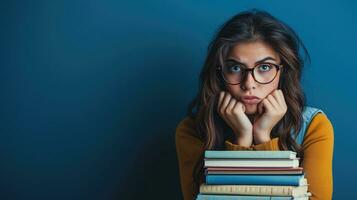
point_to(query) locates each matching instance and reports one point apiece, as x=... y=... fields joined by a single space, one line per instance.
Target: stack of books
x=247 y=175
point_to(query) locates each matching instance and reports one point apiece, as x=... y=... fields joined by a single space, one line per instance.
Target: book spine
x=250 y=154
x=237 y=197
x=247 y=190
x=288 y=180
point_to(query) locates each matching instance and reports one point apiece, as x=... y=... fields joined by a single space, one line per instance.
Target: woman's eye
x=264 y=67
x=235 y=68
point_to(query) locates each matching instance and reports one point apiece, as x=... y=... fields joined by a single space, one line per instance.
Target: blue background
x=92 y=91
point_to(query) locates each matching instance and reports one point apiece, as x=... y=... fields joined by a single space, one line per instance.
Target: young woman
x=250 y=98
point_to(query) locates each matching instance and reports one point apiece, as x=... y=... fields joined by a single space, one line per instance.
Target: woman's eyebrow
x=259 y=61
x=265 y=59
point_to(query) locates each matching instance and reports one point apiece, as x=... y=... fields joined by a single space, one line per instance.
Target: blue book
x=291 y=180
x=250 y=154
x=242 y=197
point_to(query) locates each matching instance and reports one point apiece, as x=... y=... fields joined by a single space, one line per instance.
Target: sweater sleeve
x=271 y=145
x=318 y=156
x=230 y=146
x=189 y=149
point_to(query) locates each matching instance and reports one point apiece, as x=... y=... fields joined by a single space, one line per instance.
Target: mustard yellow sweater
x=317 y=163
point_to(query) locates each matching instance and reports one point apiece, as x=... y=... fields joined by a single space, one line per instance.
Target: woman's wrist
x=260 y=140
x=245 y=141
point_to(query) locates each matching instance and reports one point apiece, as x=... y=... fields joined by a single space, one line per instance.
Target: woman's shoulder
x=309 y=112
x=316 y=115
x=186 y=129
x=319 y=129
x=186 y=125
x=321 y=120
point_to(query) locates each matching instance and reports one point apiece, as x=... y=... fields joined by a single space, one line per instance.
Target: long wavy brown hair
x=252 y=25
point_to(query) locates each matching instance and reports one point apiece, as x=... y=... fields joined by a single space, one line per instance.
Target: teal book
x=250 y=154
x=241 y=197
x=291 y=180
x=251 y=162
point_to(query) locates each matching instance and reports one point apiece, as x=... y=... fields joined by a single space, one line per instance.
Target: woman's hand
x=271 y=111
x=232 y=111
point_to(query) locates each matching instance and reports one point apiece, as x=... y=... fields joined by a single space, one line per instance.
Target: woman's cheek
x=234 y=91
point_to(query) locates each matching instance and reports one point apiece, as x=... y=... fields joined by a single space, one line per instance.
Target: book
x=253 y=170
x=247 y=175
x=250 y=154
x=272 y=190
x=241 y=197
x=246 y=162
x=292 y=180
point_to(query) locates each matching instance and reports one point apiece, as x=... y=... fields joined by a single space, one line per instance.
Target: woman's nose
x=248 y=82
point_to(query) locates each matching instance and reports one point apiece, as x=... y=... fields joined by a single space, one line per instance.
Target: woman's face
x=250 y=53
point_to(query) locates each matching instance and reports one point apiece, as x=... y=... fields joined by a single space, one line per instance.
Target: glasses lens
x=265 y=73
x=233 y=73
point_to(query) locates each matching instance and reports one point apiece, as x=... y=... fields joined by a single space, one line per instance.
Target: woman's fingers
x=277 y=101
x=267 y=105
x=230 y=110
x=278 y=94
x=226 y=100
x=239 y=106
x=283 y=103
x=230 y=106
x=272 y=100
x=279 y=97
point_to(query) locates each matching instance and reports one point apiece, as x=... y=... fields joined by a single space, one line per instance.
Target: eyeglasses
x=233 y=72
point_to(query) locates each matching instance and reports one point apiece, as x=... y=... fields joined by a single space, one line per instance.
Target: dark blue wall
x=92 y=91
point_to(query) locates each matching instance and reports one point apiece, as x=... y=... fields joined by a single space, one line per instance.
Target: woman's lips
x=250 y=101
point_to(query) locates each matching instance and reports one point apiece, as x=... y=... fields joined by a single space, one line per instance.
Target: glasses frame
x=246 y=70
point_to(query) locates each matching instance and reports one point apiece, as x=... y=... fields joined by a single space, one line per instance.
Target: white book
x=250 y=154
x=261 y=162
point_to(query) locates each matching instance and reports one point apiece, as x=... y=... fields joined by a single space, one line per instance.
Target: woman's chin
x=250 y=108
